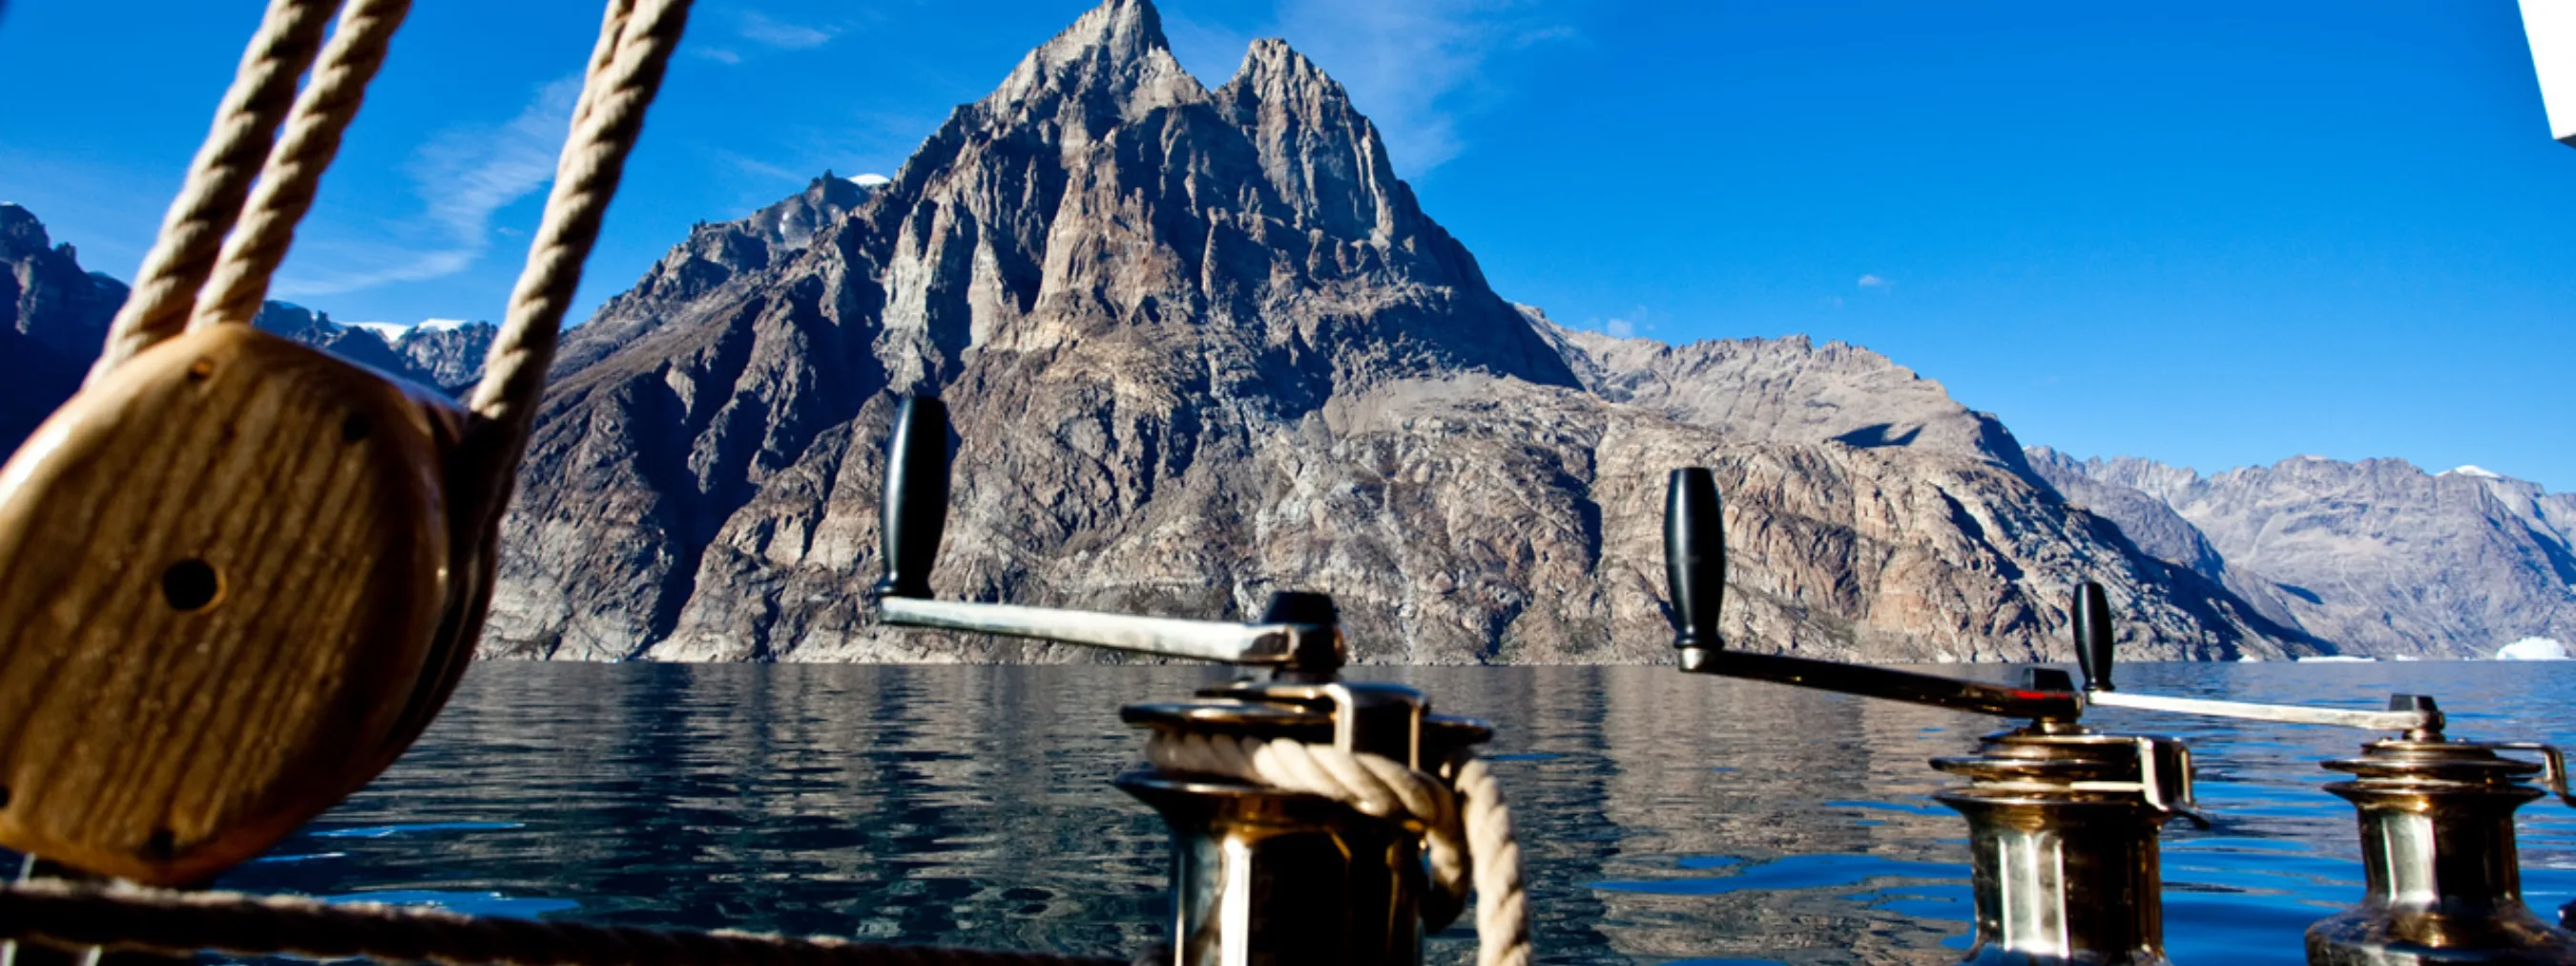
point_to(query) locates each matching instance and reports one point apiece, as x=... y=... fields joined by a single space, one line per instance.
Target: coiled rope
x=132 y=918
x=1468 y=829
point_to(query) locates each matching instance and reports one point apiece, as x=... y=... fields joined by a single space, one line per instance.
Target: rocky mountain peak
x=1115 y=55
x=21 y=235
x=792 y=222
x=1201 y=344
x=44 y=293
x=1322 y=159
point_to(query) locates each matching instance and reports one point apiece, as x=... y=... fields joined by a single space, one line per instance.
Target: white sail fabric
x=2551 y=25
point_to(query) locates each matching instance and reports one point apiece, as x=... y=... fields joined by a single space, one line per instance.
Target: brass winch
x=2443 y=881
x=2063 y=821
x=2062 y=834
x=1260 y=874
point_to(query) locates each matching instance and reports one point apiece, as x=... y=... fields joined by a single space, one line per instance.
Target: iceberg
x=2533 y=649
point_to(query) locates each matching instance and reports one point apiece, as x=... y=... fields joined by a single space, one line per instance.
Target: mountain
x=1203 y=343
x=54 y=316
x=2378 y=557
x=446 y=355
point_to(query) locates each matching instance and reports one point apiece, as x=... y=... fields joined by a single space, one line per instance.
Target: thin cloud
x=1415 y=67
x=1629 y=325
x=783 y=35
x=462 y=176
x=1873 y=281
x=757 y=168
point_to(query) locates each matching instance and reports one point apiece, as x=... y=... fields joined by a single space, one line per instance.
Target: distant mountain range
x=2378 y=557
x=54 y=316
x=1202 y=343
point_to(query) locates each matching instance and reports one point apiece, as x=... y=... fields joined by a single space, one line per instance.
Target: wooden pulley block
x=227 y=586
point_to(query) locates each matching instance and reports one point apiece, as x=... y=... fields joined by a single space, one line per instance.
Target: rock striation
x=2377 y=557
x=1200 y=344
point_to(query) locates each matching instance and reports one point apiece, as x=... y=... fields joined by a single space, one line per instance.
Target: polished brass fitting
x=2062 y=833
x=2439 y=858
x=1261 y=875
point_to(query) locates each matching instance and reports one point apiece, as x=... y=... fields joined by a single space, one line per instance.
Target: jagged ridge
x=2378 y=557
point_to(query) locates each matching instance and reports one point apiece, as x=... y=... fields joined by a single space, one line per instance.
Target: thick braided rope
x=637 y=37
x=258 y=242
x=124 y=917
x=192 y=232
x=1468 y=831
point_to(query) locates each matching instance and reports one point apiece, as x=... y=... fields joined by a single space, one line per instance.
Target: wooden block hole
x=191 y=585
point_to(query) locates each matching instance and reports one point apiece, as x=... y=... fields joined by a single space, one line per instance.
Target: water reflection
x=1666 y=819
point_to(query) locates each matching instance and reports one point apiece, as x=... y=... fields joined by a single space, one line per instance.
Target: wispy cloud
x=1415 y=67
x=754 y=29
x=755 y=167
x=780 y=34
x=1628 y=325
x=462 y=176
x=1873 y=281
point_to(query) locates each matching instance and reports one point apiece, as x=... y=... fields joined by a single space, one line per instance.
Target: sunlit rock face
x=1203 y=344
x=2375 y=557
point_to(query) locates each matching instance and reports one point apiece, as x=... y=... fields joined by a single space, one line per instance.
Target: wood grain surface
x=222 y=570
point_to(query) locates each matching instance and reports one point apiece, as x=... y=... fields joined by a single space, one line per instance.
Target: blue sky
x=2215 y=234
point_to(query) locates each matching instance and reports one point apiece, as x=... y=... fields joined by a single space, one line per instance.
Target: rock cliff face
x=1200 y=344
x=2378 y=557
x=446 y=356
x=52 y=317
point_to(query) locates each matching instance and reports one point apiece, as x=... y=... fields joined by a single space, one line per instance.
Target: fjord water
x=1665 y=818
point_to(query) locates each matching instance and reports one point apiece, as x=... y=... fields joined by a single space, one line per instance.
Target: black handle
x=1695 y=566
x=2092 y=614
x=1694 y=556
x=916 y=497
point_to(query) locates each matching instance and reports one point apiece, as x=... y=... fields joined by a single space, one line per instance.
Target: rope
x=1473 y=840
x=125 y=917
x=192 y=231
x=251 y=253
x=636 y=40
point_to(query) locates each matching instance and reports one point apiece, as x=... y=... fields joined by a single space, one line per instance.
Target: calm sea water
x=1666 y=819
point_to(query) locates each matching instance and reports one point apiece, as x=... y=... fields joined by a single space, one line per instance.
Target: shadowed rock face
x=1203 y=344
x=53 y=316
x=2377 y=557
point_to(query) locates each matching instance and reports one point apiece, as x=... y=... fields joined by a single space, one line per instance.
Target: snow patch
x=2473 y=470
x=2533 y=649
x=388 y=331
x=2336 y=659
x=870 y=180
x=393 y=332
